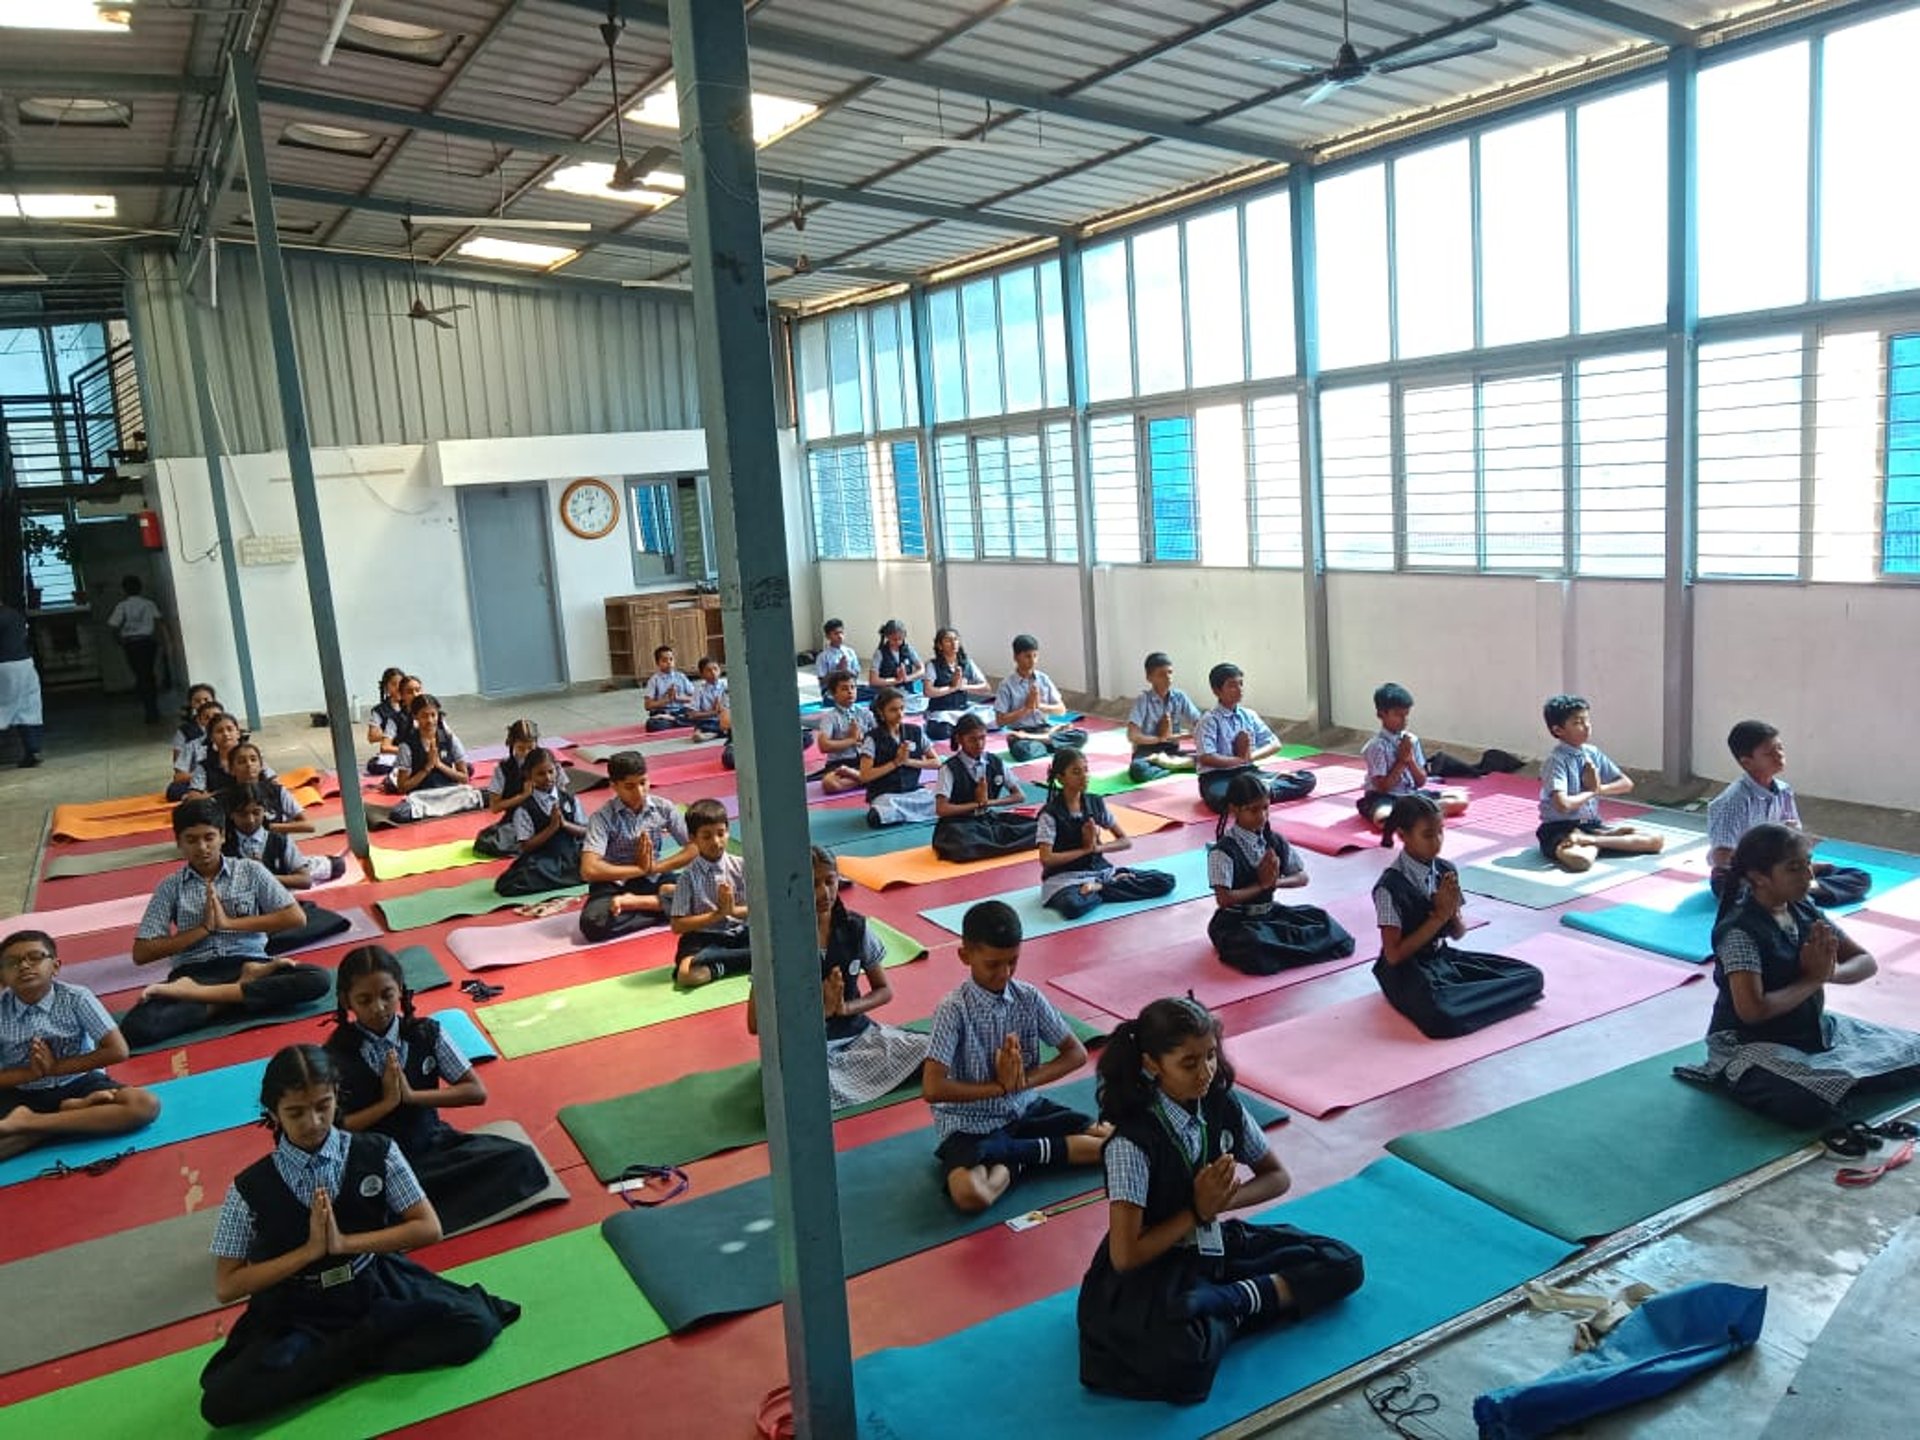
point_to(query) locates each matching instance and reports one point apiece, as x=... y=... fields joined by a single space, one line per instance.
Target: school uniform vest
x=219 y=778
x=1169 y=1171
x=964 y=784
x=939 y=672
x=541 y=809
x=282 y=1223
x=891 y=664
x=274 y=857
x=846 y=939
x=513 y=776
x=443 y=746
x=885 y=749
x=1066 y=833
x=414 y=1128
x=1801 y=1026
x=1245 y=874
x=1414 y=907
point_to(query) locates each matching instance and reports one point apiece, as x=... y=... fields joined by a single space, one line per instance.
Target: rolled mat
x=1526 y=877
x=203 y=1104
x=1356 y=1051
x=422 y=971
x=632 y=1002
x=1389 y=1212
x=1601 y=1155
x=102 y=821
x=556 y=1331
x=719 y=1254
x=920 y=866
x=450 y=902
x=703 y=1114
x=1188 y=868
x=114 y=973
x=390 y=864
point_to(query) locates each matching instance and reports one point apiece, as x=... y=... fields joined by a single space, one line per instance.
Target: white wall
x=993 y=603
x=1255 y=618
x=864 y=593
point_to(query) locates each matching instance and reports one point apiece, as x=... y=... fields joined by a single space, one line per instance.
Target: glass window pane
x=1433 y=250
x=1103 y=274
x=842 y=502
x=912 y=526
x=1437 y=423
x=1523 y=230
x=1356 y=458
x=1621 y=145
x=1900 y=554
x=1170 y=487
x=1869 y=217
x=1027 y=488
x=77 y=346
x=952 y=467
x=1020 y=331
x=1273 y=425
x=996 y=515
x=889 y=405
x=1213 y=298
x=982 y=323
x=1116 y=490
x=1060 y=492
x=1270 y=285
x=1220 y=454
x=1053 y=333
x=1523 y=473
x=909 y=363
x=949 y=382
x=816 y=412
x=1753 y=181
x=1160 y=341
x=1749 y=457
x=1350 y=214
x=1846 y=469
x=843 y=369
x=1620 y=465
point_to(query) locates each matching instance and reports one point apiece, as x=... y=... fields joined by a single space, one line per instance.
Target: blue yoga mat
x=1390 y=1212
x=204 y=1104
x=1188 y=868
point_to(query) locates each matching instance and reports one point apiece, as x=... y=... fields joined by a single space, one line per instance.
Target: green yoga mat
x=1599 y=1156
x=1120 y=782
x=702 y=1114
x=448 y=902
x=719 y=1254
x=423 y=972
x=575 y=1306
x=425 y=860
x=631 y=1002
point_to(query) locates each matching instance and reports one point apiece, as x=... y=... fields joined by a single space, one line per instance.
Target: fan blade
x=1326 y=88
x=494 y=222
x=447 y=309
x=1297 y=67
x=1434 y=57
x=432 y=317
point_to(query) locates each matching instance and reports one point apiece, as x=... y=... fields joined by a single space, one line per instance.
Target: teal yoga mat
x=449 y=902
x=1188 y=868
x=719 y=1254
x=855 y=837
x=202 y=1104
x=1390 y=1212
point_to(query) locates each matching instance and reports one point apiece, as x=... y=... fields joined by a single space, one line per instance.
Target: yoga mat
x=1182 y=804
x=450 y=902
x=920 y=866
x=718 y=1254
x=496 y=753
x=1526 y=877
x=486 y=947
x=118 y=972
x=423 y=973
x=202 y=1104
x=553 y=1193
x=556 y=1332
x=1362 y=1049
x=146 y=812
x=389 y=864
x=702 y=1114
x=1328 y=827
x=862 y=840
x=1119 y=782
x=103 y=862
x=1390 y=1212
x=631 y=1002
x=1188 y=868
x=84 y=919
x=1601 y=1155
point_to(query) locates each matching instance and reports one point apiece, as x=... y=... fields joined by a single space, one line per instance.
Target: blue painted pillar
x=1073 y=315
x=1683 y=370
x=1313 y=530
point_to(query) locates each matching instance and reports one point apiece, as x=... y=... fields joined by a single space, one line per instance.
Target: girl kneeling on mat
x=310 y=1236
x=1246 y=863
x=1444 y=991
x=1172 y=1284
x=507 y=790
x=891 y=759
x=865 y=1058
x=1075 y=874
x=397 y=1072
x=547 y=831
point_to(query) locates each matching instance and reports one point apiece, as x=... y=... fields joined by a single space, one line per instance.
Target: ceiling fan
x=1349 y=69
x=419 y=309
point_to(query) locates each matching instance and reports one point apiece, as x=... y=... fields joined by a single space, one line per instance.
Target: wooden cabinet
x=688 y=620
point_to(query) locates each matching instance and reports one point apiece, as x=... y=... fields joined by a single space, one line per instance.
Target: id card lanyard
x=1208 y=1239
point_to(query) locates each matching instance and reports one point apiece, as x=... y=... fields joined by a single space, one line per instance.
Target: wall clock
x=589 y=508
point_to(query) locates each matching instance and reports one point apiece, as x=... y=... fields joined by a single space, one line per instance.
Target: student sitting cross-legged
x=251 y=836
x=548 y=829
x=975 y=791
x=1029 y=708
x=984 y=1071
x=1075 y=874
x=283 y=812
x=709 y=907
x=1396 y=765
x=634 y=846
x=55 y=1041
x=892 y=757
x=1761 y=797
x=1573 y=780
x=432 y=772
x=212 y=918
x=842 y=726
x=667 y=693
x=507 y=790
x=1161 y=719
x=1232 y=740
x=955 y=686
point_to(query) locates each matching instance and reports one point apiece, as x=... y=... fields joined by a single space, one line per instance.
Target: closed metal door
x=516 y=614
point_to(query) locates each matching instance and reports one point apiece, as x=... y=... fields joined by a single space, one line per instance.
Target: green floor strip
x=578 y=1306
x=449 y=902
x=631 y=1002
x=423 y=860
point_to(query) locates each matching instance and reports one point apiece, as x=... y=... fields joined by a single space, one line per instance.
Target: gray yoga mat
x=115 y=973
x=132 y=857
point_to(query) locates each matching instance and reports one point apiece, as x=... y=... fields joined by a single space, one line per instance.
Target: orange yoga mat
x=132 y=814
x=921 y=866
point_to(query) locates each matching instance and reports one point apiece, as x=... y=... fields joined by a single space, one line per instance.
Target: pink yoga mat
x=84 y=919
x=1902 y=902
x=1327 y=827
x=118 y=972
x=487 y=947
x=1362 y=1049
x=1504 y=815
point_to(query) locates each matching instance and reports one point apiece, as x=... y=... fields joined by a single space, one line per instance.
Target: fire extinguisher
x=150 y=537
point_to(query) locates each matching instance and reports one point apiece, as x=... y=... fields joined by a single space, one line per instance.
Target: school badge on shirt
x=371 y=1186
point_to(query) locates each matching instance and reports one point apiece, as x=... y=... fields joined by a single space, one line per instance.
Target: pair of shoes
x=1849 y=1142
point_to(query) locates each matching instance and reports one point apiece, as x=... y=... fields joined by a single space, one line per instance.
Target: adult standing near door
x=136 y=620
x=19 y=685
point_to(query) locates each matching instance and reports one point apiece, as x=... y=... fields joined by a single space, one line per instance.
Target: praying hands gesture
x=833 y=994
x=40 y=1060
x=323 y=1231
x=1165 y=732
x=1820 y=955
x=1269 y=868
x=1213 y=1189
x=723 y=901
x=1447 y=898
x=1243 y=745
x=216 y=916
x=1010 y=1066
x=394 y=1089
x=982 y=796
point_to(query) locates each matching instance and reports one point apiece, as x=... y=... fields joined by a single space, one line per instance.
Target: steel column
x=1313 y=536
x=1683 y=375
x=1073 y=321
x=933 y=514
x=737 y=406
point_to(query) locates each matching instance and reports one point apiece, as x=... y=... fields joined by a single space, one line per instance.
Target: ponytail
x=1409 y=810
x=1246 y=787
x=1123 y=1087
x=1759 y=850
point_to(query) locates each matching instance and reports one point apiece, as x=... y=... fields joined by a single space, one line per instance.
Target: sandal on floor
x=1895 y=1130
x=1858 y=1177
x=1850 y=1142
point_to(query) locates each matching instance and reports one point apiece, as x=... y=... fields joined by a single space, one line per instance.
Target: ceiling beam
x=111 y=83
x=1616 y=16
x=68 y=178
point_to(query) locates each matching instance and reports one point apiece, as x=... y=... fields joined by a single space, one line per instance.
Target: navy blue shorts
x=1042 y=1120
x=44 y=1100
x=1552 y=833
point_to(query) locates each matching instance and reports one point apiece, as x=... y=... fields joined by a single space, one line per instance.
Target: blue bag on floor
x=1666 y=1342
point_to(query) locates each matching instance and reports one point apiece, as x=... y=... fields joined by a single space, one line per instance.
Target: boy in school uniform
x=836 y=656
x=668 y=694
x=1028 y=706
x=1396 y=765
x=1232 y=737
x=55 y=1041
x=1761 y=797
x=1573 y=778
x=709 y=909
x=1161 y=718
x=708 y=711
x=211 y=919
x=840 y=729
x=983 y=1070
x=633 y=846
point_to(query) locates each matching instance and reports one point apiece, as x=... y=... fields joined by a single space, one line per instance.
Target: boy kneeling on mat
x=983 y=1070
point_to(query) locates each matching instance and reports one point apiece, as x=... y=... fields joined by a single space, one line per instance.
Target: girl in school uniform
x=190 y=728
x=386 y=722
x=897 y=664
x=432 y=771
x=1173 y=1284
x=507 y=790
x=189 y=755
x=955 y=685
x=1247 y=862
x=1443 y=991
x=1771 y=1042
x=892 y=756
x=250 y=834
x=1075 y=874
x=547 y=830
x=398 y=1072
x=213 y=774
x=865 y=1058
x=971 y=802
x=285 y=815
x=311 y=1238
